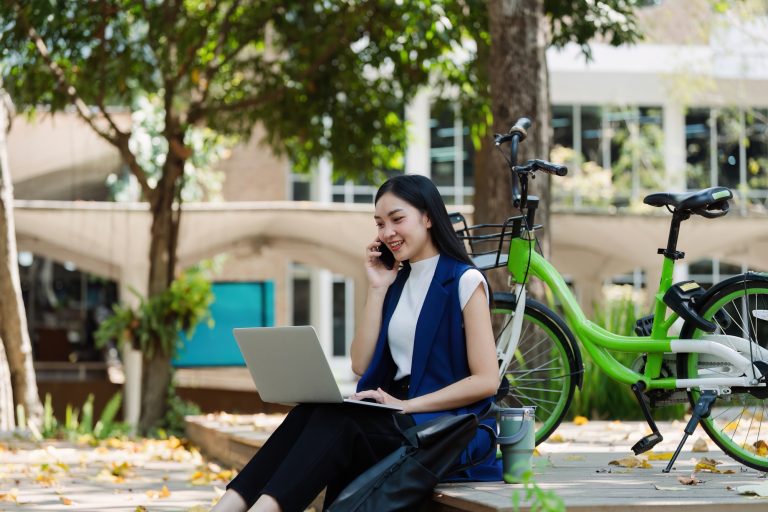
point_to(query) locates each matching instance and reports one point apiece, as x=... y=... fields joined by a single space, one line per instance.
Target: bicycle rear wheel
x=544 y=369
x=738 y=423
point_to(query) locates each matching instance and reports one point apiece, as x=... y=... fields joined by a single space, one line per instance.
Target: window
x=729 y=131
x=728 y=147
x=452 y=156
x=697 y=144
x=756 y=178
x=300 y=187
x=616 y=154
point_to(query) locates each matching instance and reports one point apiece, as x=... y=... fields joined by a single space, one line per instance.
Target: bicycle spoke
x=540 y=390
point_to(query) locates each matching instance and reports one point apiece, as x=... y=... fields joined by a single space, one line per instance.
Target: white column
x=321 y=182
x=321 y=307
x=132 y=278
x=674 y=146
x=418 y=142
x=321 y=280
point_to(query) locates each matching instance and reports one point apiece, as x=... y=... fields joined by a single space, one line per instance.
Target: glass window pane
x=300 y=190
x=442 y=152
x=697 y=148
x=592 y=134
x=339 y=319
x=757 y=154
x=300 y=301
x=649 y=154
x=468 y=153
x=562 y=126
x=728 y=130
x=622 y=121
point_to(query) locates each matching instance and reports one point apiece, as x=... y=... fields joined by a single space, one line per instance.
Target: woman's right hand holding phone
x=379 y=276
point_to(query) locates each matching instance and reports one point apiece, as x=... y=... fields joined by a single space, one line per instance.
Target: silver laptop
x=288 y=366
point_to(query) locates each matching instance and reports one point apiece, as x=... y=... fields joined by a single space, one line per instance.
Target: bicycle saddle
x=708 y=199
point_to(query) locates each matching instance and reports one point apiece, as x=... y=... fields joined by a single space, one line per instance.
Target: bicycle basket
x=486 y=244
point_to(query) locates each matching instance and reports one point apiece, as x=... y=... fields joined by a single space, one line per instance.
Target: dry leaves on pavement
x=659 y=456
x=631 y=462
x=691 y=480
x=710 y=465
x=580 y=420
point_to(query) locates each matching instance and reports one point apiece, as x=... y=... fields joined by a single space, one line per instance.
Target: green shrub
x=77 y=424
x=159 y=319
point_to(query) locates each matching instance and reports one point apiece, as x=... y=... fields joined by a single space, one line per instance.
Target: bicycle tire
x=738 y=423
x=546 y=363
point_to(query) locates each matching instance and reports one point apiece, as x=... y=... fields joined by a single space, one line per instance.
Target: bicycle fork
x=510 y=336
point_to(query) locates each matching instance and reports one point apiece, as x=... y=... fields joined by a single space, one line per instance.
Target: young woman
x=424 y=343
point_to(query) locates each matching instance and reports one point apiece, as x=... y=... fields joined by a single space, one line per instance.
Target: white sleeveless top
x=402 y=325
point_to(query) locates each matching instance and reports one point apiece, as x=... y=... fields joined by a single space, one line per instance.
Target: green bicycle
x=718 y=362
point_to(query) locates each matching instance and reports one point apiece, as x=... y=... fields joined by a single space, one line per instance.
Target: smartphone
x=387 y=258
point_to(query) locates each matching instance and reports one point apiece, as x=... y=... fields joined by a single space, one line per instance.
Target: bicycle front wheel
x=738 y=423
x=545 y=366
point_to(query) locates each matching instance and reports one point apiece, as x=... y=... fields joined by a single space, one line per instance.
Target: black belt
x=399 y=388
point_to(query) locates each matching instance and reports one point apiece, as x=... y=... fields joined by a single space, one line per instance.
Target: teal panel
x=235 y=305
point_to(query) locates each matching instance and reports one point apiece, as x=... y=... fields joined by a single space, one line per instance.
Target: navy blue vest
x=439 y=356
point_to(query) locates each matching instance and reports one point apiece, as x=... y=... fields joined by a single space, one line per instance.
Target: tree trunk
x=13 y=319
x=166 y=214
x=519 y=87
x=7 y=421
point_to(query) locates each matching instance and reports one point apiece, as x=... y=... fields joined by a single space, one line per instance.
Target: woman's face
x=403 y=228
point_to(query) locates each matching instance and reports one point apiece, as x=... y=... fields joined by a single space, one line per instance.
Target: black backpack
x=405 y=479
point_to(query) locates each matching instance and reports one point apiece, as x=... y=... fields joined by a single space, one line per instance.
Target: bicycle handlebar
x=542 y=165
x=519 y=176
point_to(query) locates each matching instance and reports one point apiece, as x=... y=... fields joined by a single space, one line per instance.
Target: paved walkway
x=112 y=476
x=169 y=475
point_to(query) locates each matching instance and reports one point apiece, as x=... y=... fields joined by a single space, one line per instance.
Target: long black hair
x=421 y=193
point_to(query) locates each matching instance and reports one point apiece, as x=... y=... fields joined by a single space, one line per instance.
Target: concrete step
x=575 y=466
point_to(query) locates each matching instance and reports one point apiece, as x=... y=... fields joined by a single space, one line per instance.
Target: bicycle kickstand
x=700 y=411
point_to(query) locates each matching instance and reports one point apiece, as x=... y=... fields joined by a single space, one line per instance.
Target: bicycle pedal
x=647 y=443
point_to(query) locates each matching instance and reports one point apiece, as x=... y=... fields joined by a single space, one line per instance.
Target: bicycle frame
x=525 y=262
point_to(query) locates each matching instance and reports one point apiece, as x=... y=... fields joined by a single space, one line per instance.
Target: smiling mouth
x=395 y=246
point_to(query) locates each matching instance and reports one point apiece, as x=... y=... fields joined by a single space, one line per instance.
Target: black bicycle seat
x=713 y=198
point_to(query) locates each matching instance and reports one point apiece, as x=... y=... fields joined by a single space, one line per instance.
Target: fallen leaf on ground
x=659 y=456
x=65 y=500
x=757 y=489
x=574 y=457
x=631 y=462
x=700 y=445
x=761 y=448
x=10 y=496
x=580 y=420
x=46 y=480
x=708 y=464
x=692 y=480
x=556 y=438
x=162 y=493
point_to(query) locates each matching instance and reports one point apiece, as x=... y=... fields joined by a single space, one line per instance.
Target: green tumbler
x=517 y=438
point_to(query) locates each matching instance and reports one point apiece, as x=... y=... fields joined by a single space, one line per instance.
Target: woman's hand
x=379 y=276
x=381 y=397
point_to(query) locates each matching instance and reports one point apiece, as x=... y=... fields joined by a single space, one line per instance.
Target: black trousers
x=319 y=445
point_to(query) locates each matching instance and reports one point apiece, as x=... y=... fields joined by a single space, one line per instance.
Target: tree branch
x=114 y=136
x=68 y=89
